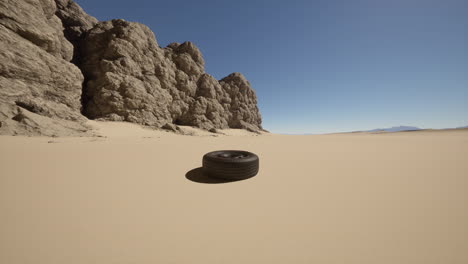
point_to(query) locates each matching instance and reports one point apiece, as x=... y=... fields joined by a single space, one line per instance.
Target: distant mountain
x=462 y=127
x=395 y=129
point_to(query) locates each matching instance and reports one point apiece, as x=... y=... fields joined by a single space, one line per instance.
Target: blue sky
x=325 y=66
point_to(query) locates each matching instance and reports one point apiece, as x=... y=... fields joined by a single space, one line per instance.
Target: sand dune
x=125 y=198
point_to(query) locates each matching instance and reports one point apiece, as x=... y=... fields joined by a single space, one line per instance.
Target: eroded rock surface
x=130 y=78
x=40 y=89
x=58 y=63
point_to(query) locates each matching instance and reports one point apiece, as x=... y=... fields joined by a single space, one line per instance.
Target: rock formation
x=57 y=63
x=40 y=89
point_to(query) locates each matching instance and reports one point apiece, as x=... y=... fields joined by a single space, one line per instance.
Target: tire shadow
x=197 y=175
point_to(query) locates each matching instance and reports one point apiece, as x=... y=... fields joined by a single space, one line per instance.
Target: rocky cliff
x=60 y=66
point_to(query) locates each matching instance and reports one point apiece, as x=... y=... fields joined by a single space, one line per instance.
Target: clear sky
x=325 y=66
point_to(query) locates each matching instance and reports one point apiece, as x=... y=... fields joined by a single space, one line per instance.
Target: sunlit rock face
x=40 y=90
x=57 y=64
x=130 y=78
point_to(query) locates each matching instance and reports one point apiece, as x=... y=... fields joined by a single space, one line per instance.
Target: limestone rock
x=243 y=108
x=131 y=78
x=58 y=63
x=20 y=121
x=119 y=60
x=34 y=21
x=39 y=88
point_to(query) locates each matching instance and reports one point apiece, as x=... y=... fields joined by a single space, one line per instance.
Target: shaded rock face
x=57 y=63
x=75 y=22
x=40 y=89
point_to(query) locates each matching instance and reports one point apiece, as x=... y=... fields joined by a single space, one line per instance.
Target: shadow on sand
x=197 y=175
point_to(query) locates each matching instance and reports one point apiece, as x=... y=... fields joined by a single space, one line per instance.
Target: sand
x=360 y=198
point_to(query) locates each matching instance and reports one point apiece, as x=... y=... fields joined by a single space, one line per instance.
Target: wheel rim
x=232 y=155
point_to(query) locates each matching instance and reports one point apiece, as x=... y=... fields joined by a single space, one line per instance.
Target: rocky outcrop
x=40 y=90
x=243 y=108
x=130 y=78
x=57 y=64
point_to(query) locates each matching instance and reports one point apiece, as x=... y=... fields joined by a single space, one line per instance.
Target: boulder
x=171 y=127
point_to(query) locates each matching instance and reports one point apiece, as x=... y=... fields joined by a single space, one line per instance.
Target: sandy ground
x=361 y=198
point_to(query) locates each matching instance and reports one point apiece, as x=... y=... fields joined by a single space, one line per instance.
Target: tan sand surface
x=361 y=198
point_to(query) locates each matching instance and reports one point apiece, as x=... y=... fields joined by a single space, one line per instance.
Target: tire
x=230 y=164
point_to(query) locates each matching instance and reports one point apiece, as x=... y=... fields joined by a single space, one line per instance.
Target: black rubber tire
x=230 y=164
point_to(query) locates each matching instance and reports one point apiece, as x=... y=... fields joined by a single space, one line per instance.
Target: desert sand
x=134 y=196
